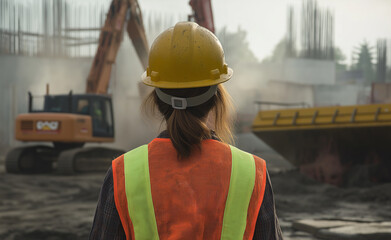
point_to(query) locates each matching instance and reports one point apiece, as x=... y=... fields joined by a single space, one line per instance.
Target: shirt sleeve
x=107 y=223
x=267 y=226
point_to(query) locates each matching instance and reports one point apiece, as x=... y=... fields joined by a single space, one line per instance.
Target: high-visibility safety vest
x=214 y=194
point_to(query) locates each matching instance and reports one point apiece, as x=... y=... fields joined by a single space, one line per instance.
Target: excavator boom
x=110 y=40
x=111 y=35
x=136 y=32
x=202 y=13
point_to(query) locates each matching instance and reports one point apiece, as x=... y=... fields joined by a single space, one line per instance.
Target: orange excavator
x=71 y=120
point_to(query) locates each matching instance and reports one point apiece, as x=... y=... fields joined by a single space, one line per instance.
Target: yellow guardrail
x=323 y=117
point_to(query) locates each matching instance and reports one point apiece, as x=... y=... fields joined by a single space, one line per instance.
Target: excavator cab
x=98 y=107
x=68 y=121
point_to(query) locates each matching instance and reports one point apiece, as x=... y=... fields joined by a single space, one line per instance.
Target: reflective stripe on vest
x=140 y=204
x=138 y=194
x=240 y=189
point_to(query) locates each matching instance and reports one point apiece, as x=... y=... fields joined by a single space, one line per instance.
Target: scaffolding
x=61 y=28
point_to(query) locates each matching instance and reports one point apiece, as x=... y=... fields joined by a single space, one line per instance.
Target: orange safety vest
x=214 y=194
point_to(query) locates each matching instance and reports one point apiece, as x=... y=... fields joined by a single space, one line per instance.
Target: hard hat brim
x=193 y=84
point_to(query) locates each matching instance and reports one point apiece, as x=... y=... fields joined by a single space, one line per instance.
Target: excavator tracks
x=45 y=159
x=34 y=159
x=82 y=160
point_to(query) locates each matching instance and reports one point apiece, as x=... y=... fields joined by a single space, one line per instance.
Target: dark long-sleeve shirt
x=107 y=223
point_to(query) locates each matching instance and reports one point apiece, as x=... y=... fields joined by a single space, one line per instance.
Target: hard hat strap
x=183 y=103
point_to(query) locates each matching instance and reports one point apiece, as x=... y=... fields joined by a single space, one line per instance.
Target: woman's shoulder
x=256 y=158
x=134 y=151
x=259 y=159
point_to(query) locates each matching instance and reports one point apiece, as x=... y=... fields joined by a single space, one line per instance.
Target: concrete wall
x=349 y=94
x=300 y=71
x=286 y=92
x=316 y=95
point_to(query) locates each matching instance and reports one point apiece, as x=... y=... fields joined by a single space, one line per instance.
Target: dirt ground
x=52 y=207
x=47 y=207
x=298 y=197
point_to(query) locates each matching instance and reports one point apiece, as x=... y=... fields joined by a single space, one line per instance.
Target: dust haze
x=49 y=206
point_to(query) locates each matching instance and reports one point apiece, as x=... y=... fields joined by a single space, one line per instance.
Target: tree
x=279 y=52
x=339 y=58
x=236 y=46
x=363 y=61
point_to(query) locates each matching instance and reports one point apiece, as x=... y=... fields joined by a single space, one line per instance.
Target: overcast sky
x=265 y=20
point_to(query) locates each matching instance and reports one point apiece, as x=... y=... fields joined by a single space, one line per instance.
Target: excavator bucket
x=327 y=143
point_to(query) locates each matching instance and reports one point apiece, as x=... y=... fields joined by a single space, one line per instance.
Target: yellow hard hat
x=186 y=56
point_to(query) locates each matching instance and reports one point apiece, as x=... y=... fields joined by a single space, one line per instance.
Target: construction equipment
x=202 y=14
x=326 y=142
x=71 y=120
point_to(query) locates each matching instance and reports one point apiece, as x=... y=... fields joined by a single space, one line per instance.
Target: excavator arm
x=136 y=32
x=202 y=13
x=111 y=35
x=110 y=38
